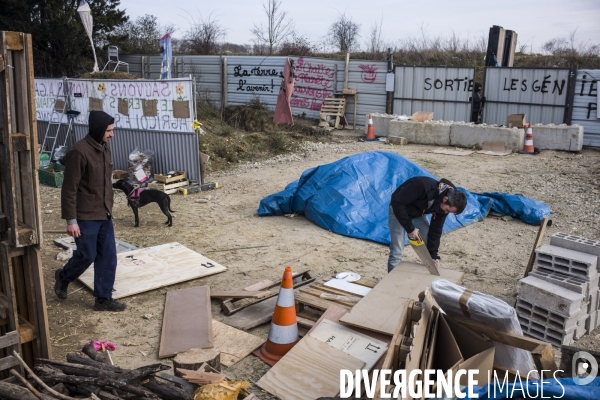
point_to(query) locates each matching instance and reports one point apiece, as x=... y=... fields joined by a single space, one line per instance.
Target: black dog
x=137 y=198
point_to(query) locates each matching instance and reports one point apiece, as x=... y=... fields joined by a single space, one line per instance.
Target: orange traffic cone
x=284 y=328
x=528 y=147
x=370 y=131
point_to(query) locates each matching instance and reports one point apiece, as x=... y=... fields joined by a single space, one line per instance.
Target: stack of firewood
x=82 y=376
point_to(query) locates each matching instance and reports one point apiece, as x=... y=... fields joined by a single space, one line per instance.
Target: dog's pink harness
x=135 y=194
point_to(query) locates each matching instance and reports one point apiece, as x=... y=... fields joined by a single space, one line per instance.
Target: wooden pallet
x=169 y=188
x=309 y=298
x=333 y=108
x=22 y=300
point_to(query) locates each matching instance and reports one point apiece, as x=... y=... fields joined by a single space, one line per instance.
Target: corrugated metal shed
x=541 y=93
x=173 y=150
x=443 y=90
x=585 y=105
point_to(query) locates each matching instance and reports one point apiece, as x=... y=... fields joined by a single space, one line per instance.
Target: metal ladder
x=61 y=108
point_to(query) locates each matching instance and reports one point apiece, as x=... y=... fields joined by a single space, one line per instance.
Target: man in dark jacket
x=410 y=203
x=87 y=201
x=478 y=102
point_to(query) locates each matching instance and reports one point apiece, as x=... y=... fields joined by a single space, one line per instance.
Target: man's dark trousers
x=96 y=244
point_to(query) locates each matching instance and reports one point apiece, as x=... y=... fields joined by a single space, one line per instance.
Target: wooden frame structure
x=22 y=297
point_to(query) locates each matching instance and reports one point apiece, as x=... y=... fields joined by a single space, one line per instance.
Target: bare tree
x=203 y=37
x=344 y=33
x=296 y=45
x=278 y=27
x=374 y=43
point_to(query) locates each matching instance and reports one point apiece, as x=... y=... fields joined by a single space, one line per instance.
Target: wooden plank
x=2 y=63
x=20 y=142
x=311 y=369
x=315 y=302
x=230 y=307
x=10 y=339
x=26 y=331
x=234 y=344
x=241 y=294
x=200 y=378
x=13 y=40
x=8 y=362
x=348 y=287
x=536 y=244
x=381 y=309
x=307 y=323
x=265 y=283
x=252 y=316
x=187 y=321
x=154 y=267
x=317 y=293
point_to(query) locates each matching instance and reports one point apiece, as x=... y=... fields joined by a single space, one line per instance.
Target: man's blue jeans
x=397 y=236
x=96 y=244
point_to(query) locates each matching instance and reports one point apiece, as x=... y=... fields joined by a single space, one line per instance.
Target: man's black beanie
x=98 y=122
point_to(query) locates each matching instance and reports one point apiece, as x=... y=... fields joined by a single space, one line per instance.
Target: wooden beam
x=2 y=63
x=13 y=40
x=26 y=332
x=536 y=244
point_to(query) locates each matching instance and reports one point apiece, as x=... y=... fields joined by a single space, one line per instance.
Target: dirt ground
x=225 y=227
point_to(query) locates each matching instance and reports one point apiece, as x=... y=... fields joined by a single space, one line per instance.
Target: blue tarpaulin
x=351 y=196
x=560 y=388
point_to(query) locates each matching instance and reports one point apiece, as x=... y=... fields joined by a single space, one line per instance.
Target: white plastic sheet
x=490 y=311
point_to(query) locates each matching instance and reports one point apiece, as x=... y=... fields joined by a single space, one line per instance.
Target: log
x=14 y=392
x=75 y=358
x=101 y=382
x=193 y=359
x=138 y=374
x=167 y=390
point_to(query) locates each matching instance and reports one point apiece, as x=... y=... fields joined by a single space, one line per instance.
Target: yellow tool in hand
x=423 y=253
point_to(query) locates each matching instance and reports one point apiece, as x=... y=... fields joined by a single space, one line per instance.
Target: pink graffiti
x=303 y=102
x=309 y=68
x=369 y=73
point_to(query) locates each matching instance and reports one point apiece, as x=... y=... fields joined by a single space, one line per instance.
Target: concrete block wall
x=432 y=132
x=560 y=300
x=558 y=137
x=470 y=135
x=381 y=123
x=566 y=261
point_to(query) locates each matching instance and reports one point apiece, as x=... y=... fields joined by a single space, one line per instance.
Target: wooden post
x=346 y=71
x=536 y=244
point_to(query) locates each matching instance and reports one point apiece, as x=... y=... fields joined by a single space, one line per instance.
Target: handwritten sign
x=123 y=99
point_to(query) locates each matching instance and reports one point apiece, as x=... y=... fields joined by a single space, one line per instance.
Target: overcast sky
x=535 y=21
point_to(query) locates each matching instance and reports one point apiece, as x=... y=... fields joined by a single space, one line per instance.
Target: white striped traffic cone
x=528 y=147
x=370 y=131
x=284 y=327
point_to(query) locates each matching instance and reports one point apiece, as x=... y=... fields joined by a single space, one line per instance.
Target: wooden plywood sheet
x=233 y=343
x=351 y=342
x=186 y=321
x=311 y=369
x=380 y=310
x=154 y=267
x=348 y=287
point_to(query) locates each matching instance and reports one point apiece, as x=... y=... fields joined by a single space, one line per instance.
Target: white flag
x=88 y=23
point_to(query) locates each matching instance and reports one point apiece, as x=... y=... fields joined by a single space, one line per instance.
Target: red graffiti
x=369 y=73
x=309 y=68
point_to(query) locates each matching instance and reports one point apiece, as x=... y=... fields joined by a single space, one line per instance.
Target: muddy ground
x=492 y=254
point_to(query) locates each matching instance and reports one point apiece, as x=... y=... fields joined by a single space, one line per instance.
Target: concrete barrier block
x=558 y=137
x=593 y=321
x=551 y=296
x=573 y=283
x=381 y=123
x=567 y=261
x=576 y=243
x=402 y=141
x=593 y=299
x=433 y=132
x=464 y=134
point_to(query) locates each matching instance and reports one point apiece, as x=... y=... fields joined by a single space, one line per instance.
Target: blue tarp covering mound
x=351 y=196
x=561 y=388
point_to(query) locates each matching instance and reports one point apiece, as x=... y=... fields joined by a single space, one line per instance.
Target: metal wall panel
x=368 y=77
x=205 y=69
x=541 y=93
x=443 y=90
x=173 y=150
x=585 y=105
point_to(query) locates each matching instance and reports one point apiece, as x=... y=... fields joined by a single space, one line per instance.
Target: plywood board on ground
x=154 y=267
x=252 y=316
x=380 y=310
x=348 y=287
x=187 y=321
x=311 y=369
x=351 y=342
x=233 y=343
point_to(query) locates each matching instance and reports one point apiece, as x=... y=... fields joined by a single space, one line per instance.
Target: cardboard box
x=120 y=174
x=516 y=120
